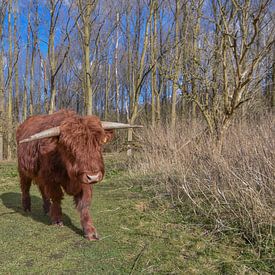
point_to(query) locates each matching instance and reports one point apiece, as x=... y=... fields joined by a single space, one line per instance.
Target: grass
x=138 y=236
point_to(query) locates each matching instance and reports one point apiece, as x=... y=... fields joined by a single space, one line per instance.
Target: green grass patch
x=138 y=236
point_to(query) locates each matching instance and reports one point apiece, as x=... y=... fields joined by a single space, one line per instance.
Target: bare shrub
x=234 y=190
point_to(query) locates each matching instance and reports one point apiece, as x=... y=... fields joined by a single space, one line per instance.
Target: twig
x=194 y=138
x=109 y=210
x=137 y=258
x=105 y=237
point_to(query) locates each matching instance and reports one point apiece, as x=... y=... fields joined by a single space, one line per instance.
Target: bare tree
x=3 y=6
x=176 y=65
x=237 y=59
x=34 y=31
x=55 y=6
x=138 y=70
x=116 y=66
x=153 y=46
x=107 y=90
x=86 y=8
x=25 y=95
x=16 y=53
x=9 y=82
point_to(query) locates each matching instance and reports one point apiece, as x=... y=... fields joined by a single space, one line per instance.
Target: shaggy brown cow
x=62 y=152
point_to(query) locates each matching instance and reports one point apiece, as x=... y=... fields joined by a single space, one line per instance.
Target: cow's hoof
x=26 y=203
x=92 y=237
x=58 y=223
x=27 y=209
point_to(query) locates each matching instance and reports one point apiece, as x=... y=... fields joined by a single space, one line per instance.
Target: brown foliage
x=234 y=189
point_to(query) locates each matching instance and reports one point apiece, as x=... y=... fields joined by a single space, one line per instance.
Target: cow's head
x=79 y=142
x=80 y=145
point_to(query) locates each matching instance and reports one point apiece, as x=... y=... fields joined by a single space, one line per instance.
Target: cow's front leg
x=83 y=202
x=55 y=193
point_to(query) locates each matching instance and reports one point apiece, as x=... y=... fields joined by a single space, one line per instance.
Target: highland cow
x=62 y=152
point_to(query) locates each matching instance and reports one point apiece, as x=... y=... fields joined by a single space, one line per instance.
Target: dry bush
x=234 y=190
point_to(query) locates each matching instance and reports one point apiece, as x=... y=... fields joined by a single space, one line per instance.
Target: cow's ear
x=48 y=145
x=108 y=136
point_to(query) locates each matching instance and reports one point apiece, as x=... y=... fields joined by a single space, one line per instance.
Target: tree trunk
x=138 y=82
x=107 y=90
x=85 y=9
x=1 y=147
x=34 y=50
x=46 y=102
x=158 y=108
x=272 y=86
x=153 y=45
x=116 y=67
x=87 y=70
x=25 y=95
x=177 y=59
x=2 y=84
x=9 y=139
x=39 y=101
x=32 y=79
x=51 y=56
x=16 y=53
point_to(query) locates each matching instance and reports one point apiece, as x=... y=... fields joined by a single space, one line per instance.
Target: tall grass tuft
x=234 y=190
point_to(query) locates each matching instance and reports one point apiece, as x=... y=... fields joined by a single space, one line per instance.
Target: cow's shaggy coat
x=62 y=163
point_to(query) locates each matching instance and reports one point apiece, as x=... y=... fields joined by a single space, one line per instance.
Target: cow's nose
x=94 y=178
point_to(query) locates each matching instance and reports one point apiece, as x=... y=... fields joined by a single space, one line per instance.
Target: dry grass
x=233 y=190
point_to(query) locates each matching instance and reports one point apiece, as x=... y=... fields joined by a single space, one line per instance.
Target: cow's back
x=29 y=153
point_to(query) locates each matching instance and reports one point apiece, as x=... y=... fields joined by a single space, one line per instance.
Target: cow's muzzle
x=94 y=178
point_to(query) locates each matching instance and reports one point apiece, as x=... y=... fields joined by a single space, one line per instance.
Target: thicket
x=231 y=190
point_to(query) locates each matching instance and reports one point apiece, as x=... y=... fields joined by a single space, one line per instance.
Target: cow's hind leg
x=25 y=184
x=83 y=201
x=46 y=200
x=54 y=192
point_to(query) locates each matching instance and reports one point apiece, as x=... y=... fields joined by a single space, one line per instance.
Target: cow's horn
x=115 y=125
x=52 y=132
